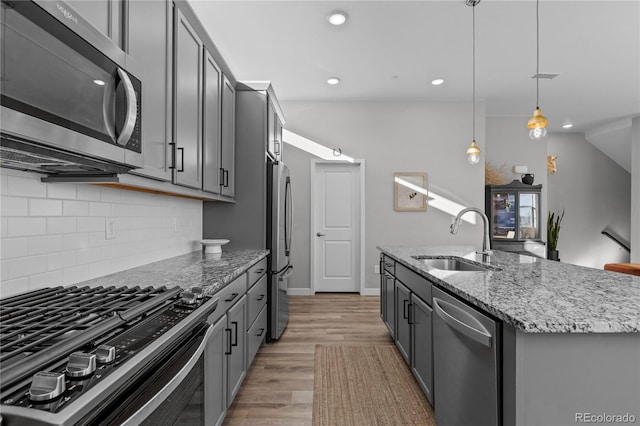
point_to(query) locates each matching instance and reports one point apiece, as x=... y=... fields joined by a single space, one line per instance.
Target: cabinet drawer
x=229 y=295
x=388 y=264
x=257 y=298
x=256 y=271
x=416 y=283
x=256 y=335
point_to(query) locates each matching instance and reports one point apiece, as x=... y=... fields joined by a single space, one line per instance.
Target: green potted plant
x=553 y=231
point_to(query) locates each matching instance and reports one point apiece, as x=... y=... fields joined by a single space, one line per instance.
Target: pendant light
x=537 y=124
x=473 y=152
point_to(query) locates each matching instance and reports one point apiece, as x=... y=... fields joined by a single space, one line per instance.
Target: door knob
x=319 y=234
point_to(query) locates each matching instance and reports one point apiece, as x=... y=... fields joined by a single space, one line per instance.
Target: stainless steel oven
x=66 y=89
x=108 y=356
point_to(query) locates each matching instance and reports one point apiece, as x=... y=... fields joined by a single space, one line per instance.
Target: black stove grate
x=42 y=325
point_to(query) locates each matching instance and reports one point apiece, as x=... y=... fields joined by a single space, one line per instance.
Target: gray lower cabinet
x=422 y=345
x=387 y=302
x=235 y=346
x=188 y=69
x=150 y=44
x=403 y=326
x=216 y=367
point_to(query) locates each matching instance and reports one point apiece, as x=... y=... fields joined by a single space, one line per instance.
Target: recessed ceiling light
x=99 y=82
x=337 y=17
x=437 y=81
x=333 y=81
x=567 y=126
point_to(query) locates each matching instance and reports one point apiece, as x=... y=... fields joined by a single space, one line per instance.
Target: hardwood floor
x=278 y=389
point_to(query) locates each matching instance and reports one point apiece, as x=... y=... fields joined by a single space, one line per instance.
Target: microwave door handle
x=107 y=108
x=132 y=109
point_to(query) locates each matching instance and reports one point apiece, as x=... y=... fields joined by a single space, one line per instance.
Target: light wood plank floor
x=278 y=389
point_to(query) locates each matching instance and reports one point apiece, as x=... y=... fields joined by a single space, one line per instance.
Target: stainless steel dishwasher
x=466 y=368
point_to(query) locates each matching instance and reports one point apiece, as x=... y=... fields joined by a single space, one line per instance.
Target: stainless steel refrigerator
x=279 y=234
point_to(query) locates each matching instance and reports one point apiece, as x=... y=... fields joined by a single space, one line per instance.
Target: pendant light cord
x=537 y=54
x=473 y=71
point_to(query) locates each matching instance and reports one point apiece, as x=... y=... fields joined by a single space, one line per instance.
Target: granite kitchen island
x=569 y=336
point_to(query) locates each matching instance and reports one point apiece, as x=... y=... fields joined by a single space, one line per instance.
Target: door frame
x=360 y=163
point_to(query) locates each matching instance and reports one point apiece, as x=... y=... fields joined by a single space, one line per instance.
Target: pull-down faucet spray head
x=455 y=223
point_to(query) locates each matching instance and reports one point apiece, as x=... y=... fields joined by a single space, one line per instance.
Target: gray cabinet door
x=422 y=345
x=279 y=143
x=228 y=137
x=151 y=45
x=236 y=346
x=105 y=15
x=215 y=367
x=271 y=129
x=403 y=328
x=188 y=104
x=211 y=117
x=389 y=304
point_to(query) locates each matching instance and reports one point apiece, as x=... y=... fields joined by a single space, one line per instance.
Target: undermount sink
x=454 y=263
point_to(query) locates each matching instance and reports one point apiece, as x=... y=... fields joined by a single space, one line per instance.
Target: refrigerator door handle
x=288 y=217
x=287 y=273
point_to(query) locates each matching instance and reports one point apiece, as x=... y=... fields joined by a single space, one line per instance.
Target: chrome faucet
x=486 y=244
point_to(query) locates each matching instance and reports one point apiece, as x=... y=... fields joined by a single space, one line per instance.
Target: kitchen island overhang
x=570 y=336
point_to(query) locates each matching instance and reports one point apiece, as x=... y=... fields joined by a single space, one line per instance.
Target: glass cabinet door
x=528 y=216
x=504 y=215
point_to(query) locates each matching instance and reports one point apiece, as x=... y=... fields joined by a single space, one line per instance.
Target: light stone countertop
x=194 y=269
x=536 y=295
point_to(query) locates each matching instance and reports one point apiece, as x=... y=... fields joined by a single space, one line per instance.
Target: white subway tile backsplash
x=64 y=191
x=75 y=208
x=14 y=247
x=61 y=260
x=44 y=207
x=61 y=225
x=26 y=186
x=54 y=234
x=14 y=206
x=100 y=209
x=45 y=245
x=25 y=266
x=26 y=226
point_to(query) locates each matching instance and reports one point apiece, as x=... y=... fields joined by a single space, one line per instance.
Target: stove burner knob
x=188 y=298
x=105 y=354
x=81 y=364
x=46 y=386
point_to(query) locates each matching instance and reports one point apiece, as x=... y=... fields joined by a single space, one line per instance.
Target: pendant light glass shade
x=473 y=153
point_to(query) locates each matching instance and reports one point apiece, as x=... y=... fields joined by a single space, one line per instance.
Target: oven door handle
x=151 y=405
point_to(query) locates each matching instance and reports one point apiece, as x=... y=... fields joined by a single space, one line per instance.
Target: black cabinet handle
x=235 y=325
x=181 y=169
x=228 y=341
x=410 y=313
x=221 y=177
x=233 y=296
x=404 y=309
x=261 y=297
x=261 y=332
x=226 y=178
x=276 y=147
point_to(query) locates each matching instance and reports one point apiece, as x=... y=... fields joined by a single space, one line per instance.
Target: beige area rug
x=366 y=385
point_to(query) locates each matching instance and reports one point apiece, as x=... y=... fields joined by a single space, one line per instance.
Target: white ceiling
x=391 y=50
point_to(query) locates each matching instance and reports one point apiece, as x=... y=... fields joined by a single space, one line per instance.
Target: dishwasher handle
x=482 y=335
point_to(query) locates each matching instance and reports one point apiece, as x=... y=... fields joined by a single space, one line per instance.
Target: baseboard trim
x=370 y=292
x=299 y=292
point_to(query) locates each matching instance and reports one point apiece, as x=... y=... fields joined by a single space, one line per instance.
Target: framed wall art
x=410 y=192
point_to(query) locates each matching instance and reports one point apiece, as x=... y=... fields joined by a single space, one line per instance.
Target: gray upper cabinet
x=212 y=171
x=107 y=16
x=150 y=45
x=228 y=138
x=187 y=104
x=274 y=131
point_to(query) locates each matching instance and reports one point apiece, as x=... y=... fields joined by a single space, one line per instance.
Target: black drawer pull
x=233 y=296
x=404 y=309
x=235 y=325
x=228 y=341
x=260 y=332
x=260 y=298
x=258 y=271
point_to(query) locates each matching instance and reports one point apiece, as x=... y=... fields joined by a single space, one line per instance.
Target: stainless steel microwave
x=70 y=106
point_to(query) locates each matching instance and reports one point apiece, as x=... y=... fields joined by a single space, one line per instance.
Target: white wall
x=391 y=137
x=54 y=234
x=635 y=190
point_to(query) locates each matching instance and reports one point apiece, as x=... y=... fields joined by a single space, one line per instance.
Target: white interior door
x=336 y=227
